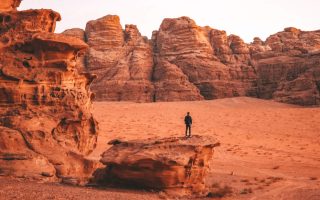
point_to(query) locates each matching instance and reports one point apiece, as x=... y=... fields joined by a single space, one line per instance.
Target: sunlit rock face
x=214 y=65
x=80 y=34
x=46 y=125
x=174 y=164
x=288 y=67
x=185 y=62
x=122 y=60
x=9 y=5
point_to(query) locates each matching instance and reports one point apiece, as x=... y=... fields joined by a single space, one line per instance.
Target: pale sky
x=246 y=18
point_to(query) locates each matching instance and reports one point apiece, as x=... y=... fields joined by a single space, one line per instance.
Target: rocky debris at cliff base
x=177 y=165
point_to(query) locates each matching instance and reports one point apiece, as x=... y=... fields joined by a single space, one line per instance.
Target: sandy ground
x=269 y=150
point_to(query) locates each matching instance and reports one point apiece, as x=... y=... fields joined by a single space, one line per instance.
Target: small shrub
x=215 y=185
x=246 y=191
x=220 y=192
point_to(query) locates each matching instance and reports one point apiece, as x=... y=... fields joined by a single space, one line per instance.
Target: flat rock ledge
x=177 y=165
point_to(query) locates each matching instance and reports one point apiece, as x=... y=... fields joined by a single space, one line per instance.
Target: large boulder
x=176 y=165
x=46 y=125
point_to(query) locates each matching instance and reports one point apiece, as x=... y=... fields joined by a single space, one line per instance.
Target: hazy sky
x=246 y=18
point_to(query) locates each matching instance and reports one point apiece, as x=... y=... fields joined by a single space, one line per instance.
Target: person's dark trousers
x=188 y=128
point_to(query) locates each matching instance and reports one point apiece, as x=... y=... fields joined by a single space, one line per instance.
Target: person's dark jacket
x=188 y=120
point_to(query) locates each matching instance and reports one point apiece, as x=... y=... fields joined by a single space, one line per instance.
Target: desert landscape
x=99 y=113
x=267 y=147
x=268 y=150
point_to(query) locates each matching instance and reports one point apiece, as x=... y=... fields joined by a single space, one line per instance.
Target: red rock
x=80 y=34
x=176 y=165
x=75 y=32
x=290 y=72
x=122 y=60
x=192 y=50
x=9 y=5
x=186 y=62
x=45 y=103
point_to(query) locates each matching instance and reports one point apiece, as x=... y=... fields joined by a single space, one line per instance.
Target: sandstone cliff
x=290 y=71
x=122 y=59
x=46 y=125
x=183 y=61
x=177 y=165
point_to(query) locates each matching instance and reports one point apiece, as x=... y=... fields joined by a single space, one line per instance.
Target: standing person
x=188 y=122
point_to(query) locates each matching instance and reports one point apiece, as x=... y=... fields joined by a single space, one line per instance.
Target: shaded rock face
x=183 y=61
x=172 y=164
x=46 y=125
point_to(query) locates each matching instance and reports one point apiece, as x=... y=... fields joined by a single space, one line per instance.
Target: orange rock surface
x=9 y=5
x=46 y=125
x=183 y=61
x=175 y=164
x=122 y=59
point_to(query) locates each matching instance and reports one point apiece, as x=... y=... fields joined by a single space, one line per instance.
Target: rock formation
x=290 y=71
x=122 y=59
x=80 y=34
x=204 y=57
x=176 y=165
x=46 y=125
x=183 y=61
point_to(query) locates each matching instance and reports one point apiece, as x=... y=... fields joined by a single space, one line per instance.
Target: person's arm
x=190 y=120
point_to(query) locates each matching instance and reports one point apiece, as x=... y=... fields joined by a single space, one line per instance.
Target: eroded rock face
x=212 y=63
x=122 y=59
x=183 y=61
x=172 y=164
x=80 y=34
x=289 y=71
x=9 y=5
x=46 y=125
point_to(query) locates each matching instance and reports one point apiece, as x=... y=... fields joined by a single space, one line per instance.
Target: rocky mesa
x=183 y=61
x=46 y=125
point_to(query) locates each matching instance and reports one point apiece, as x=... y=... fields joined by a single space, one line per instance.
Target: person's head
x=188 y=113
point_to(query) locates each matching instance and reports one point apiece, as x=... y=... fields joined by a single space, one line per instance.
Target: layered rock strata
x=183 y=61
x=290 y=71
x=176 y=165
x=122 y=59
x=46 y=125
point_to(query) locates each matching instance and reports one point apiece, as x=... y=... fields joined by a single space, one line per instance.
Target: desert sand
x=270 y=147
x=268 y=150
